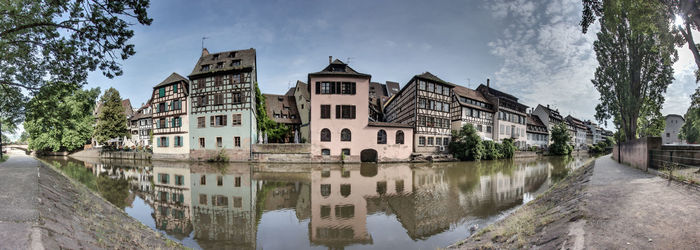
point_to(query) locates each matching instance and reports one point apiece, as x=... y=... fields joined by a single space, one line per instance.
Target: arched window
x=399 y=137
x=325 y=190
x=325 y=135
x=381 y=137
x=345 y=190
x=345 y=135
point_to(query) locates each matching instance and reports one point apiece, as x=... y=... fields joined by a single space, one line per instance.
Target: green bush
x=466 y=144
x=491 y=150
x=507 y=148
x=561 y=139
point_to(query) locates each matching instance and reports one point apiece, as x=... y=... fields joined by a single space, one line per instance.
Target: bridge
x=24 y=148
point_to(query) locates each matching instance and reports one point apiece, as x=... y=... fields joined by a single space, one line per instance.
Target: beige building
x=511 y=121
x=303 y=102
x=170 y=118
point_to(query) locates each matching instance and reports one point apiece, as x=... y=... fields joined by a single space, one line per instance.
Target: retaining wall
x=684 y=155
x=636 y=152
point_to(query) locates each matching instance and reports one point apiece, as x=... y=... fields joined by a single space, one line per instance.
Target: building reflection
x=339 y=200
x=172 y=194
x=223 y=205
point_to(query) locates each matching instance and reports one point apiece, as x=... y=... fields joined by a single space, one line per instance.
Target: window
x=179 y=180
x=237 y=182
x=399 y=137
x=430 y=141
x=421 y=85
x=347 y=88
x=399 y=186
x=431 y=87
x=219 y=200
x=345 y=211
x=325 y=111
x=236 y=119
x=175 y=88
x=446 y=91
x=421 y=103
x=325 y=190
x=201 y=142
x=218 y=99
x=345 y=111
x=445 y=141
x=438 y=88
x=203 y=101
x=325 y=151
x=163 y=141
x=345 y=190
x=202 y=199
x=236 y=63
x=438 y=141
x=479 y=128
x=204 y=67
x=164 y=178
x=237 y=141
x=345 y=151
x=236 y=97
x=201 y=122
x=325 y=134
x=421 y=120
x=178 y=141
x=237 y=202
x=325 y=211
x=219 y=180
x=324 y=88
x=502 y=130
x=203 y=180
x=161 y=107
x=421 y=141
x=219 y=142
x=488 y=129
x=381 y=137
x=381 y=187
x=217 y=120
x=345 y=135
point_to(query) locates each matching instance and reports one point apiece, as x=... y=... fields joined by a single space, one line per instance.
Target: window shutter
x=167 y=141
x=179 y=122
x=174 y=121
x=211 y=121
x=352 y=112
x=224 y=122
x=318 y=88
x=353 y=87
x=337 y=111
x=337 y=88
x=158 y=142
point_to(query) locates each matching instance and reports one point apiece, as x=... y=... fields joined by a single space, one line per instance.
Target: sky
x=532 y=49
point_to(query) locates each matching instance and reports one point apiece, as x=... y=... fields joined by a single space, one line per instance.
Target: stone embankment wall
x=525 y=154
x=281 y=152
x=636 y=152
x=684 y=155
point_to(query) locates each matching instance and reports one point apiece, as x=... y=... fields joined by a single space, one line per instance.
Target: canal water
x=275 y=206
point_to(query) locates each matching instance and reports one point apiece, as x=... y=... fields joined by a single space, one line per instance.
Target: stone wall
x=684 y=155
x=636 y=152
x=125 y=155
x=282 y=152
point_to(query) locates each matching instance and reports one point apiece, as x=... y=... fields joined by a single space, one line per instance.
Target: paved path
x=19 y=200
x=629 y=209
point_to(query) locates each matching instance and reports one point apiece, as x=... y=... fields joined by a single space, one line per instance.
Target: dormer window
x=235 y=62
x=337 y=68
x=279 y=98
x=215 y=57
x=219 y=65
x=232 y=54
x=205 y=67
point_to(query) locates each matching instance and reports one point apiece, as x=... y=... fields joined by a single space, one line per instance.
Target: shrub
x=507 y=148
x=466 y=144
x=491 y=151
x=561 y=139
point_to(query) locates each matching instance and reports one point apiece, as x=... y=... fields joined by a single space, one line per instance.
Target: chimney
x=330 y=59
x=488 y=83
x=205 y=52
x=547 y=106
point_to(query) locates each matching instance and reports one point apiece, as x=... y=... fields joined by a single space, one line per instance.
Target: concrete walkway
x=627 y=208
x=19 y=201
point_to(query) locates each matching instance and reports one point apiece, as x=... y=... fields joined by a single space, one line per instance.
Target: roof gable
x=224 y=61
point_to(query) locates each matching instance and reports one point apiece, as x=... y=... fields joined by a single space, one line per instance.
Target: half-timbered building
x=141 y=125
x=424 y=104
x=340 y=126
x=537 y=133
x=471 y=107
x=223 y=105
x=170 y=118
x=550 y=117
x=579 y=131
x=283 y=109
x=511 y=115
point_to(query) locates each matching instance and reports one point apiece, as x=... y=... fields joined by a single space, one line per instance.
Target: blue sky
x=532 y=49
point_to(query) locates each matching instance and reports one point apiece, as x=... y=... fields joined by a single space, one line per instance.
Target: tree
x=691 y=128
x=560 y=140
x=111 y=120
x=651 y=123
x=635 y=51
x=24 y=137
x=59 y=117
x=466 y=144
x=274 y=130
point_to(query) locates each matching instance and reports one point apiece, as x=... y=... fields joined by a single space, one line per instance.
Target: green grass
x=4 y=158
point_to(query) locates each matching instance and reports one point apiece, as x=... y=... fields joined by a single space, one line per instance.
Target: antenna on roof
x=348 y=60
x=204 y=38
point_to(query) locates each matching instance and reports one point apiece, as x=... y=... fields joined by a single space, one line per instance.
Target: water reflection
x=217 y=206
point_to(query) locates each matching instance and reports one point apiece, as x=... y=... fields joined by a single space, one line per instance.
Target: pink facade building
x=339 y=123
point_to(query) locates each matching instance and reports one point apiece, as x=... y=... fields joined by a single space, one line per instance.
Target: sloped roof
x=430 y=77
x=304 y=88
x=282 y=105
x=225 y=60
x=140 y=114
x=172 y=78
x=576 y=122
x=497 y=93
x=471 y=94
x=551 y=112
x=339 y=68
x=390 y=86
x=534 y=121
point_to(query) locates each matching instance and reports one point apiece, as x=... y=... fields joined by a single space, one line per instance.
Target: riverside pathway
x=19 y=202
x=627 y=208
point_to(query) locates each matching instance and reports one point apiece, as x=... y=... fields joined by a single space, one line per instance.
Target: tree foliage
x=44 y=41
x=274 y=130
x=491 y=151
x=111 y=120
x=635 y=51
x=691 y=128
x=560 y=140
x=466 y=144
x=59 y=117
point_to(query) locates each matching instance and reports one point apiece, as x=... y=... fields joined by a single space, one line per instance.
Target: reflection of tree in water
x=78 y=172
x=560 y=167
x=114 y=190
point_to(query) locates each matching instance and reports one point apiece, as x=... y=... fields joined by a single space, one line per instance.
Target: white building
x=673 y=128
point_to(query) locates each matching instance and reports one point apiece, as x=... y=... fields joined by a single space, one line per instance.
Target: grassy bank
x=541 y=223
x=4 y=158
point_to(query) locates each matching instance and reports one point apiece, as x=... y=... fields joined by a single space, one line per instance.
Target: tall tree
x=111 y=120
x=59 y=117
x=11 y=111
x=635 y=51
x=691 y=128
x=560 y=140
